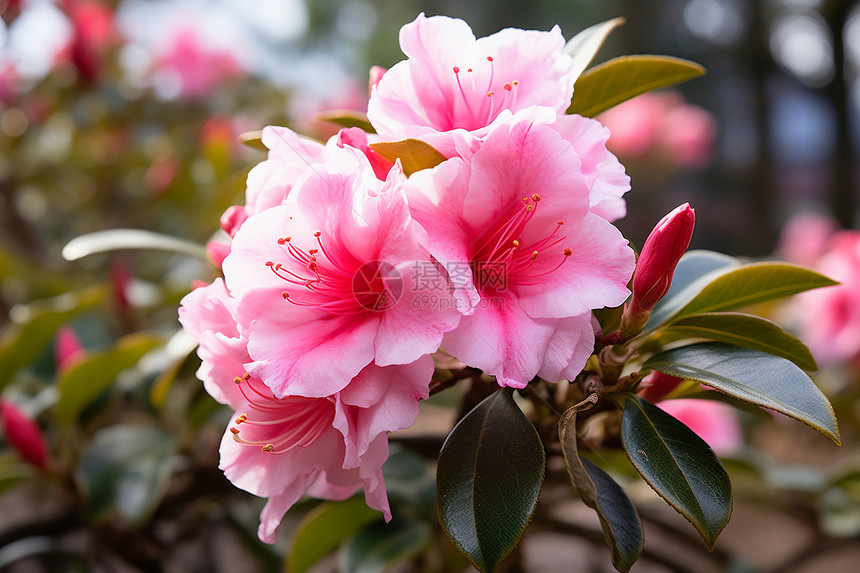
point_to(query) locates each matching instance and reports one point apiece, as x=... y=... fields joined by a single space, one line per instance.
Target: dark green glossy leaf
x=380 y=546
x=414 y=155
x=751 y=284
x=585 y=45
x=678 y=465
x=36 y=324
x=488 y=478
x=620 y=79
x=693 y=273
x=743 y=330
x=93 y=374
x=752 y=376
x=118 y=239
x=126 y=469
x=325 y=528
x=347 y=118
x=618 y=517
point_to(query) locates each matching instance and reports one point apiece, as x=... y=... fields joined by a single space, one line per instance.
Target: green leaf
x=117 y=239
x=488 y=478
x=347 y=118
x=126 y=469
x=678 y=465
x=585 y=45
x=414 y=155
x=743 y=330
x=618 y=517
x=325 y=528
x=625 y=77
x=92 y=375
x=35 y=326
x=751 y=284
x=381 y=546
x=410 y=480
x=753 y=376
x=254 y=140
x=693 y=273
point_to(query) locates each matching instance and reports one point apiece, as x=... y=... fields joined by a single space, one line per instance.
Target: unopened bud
x=656 y=265
x=233 y=218
x=24 y=435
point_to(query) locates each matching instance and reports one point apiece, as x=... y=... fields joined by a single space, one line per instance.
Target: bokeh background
x=126 y=114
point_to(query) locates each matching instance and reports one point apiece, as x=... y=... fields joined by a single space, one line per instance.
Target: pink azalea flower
x=528 y=257
x=604 y=174
x=714 y=422
x=289 y=157
x=329 y=280
x=453 y=84
x=830 y=317
x=281 y=448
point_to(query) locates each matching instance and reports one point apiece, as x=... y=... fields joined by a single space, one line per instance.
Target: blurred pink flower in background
x=67 y=348
x=661 y=125
x=829 y=318
x=94 y=33
x=9 y=82
x=805 y=236
x=192 y=66
x=713 y=421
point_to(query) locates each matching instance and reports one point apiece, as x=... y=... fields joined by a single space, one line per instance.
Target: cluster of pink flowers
x=344 y=275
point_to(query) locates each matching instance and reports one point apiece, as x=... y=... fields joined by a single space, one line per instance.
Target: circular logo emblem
x=377 y=285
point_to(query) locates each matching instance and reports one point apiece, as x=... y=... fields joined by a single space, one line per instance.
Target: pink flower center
x=501 y=258
x=278 y=426
x=482 y=104
x=336 y=286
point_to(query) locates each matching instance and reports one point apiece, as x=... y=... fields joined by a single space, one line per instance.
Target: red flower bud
x=24 y=435
x=659 y=257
